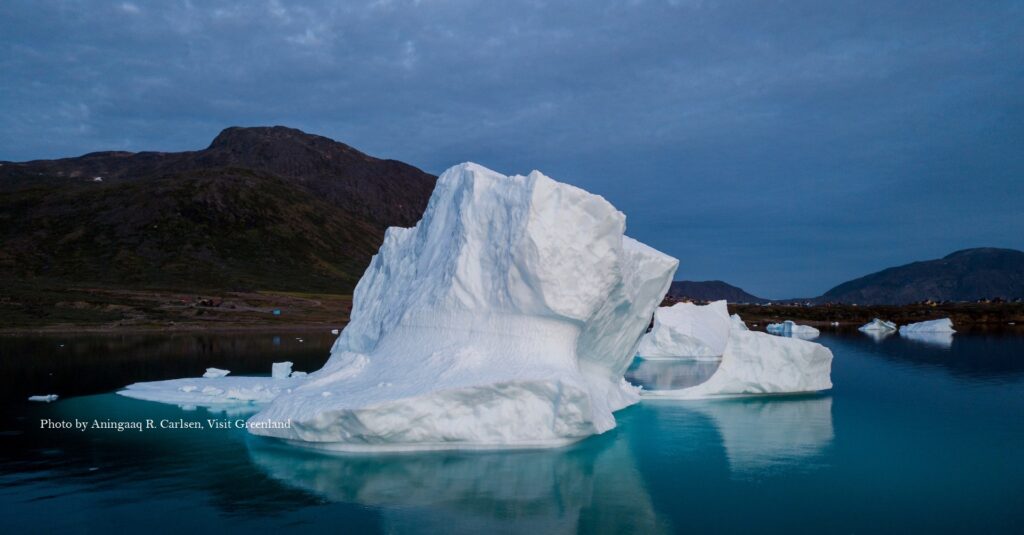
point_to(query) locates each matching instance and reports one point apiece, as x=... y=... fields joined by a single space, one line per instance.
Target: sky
x=784 y=147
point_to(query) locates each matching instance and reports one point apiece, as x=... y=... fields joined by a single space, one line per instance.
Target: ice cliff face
x=687 y=330
x=505 y=318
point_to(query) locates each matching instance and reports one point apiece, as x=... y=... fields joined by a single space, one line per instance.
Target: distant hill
x=260 y=208
x=711 y=291
x=966 y=275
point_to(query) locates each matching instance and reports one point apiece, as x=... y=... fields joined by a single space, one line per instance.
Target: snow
x=877 y=325
x=687 y=330
x=504 y=319
x=45 y=398
x=756 y=363
x=788 y=328
x=944 y=325
x=215 y=372
x=281 y=370
x=737 y=322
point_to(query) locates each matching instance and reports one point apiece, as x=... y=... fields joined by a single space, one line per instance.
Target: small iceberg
x=686 y=330
x=877 y=326
x=934 y=332
x=281 y=370
x=788 y=328
x=756 y=363
x=46 y=398
x=215 y=372
x=944 y=325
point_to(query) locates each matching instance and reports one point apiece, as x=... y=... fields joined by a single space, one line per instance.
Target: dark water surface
x=915 y=436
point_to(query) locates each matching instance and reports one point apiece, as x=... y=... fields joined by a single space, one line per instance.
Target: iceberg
x=877 y=325
x=45 y=398
x=788 y=328
x=687 y=330
x=505 y=318
x=756 y=363
x=737 y=322
x=944 y=325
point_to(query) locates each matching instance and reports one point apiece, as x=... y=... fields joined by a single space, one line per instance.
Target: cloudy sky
x=781 y=146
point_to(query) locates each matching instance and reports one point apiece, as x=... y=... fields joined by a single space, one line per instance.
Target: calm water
x=915 y=436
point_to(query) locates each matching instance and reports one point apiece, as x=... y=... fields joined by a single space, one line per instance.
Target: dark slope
x=967 y=275
x=270 y=208
x=711 y=291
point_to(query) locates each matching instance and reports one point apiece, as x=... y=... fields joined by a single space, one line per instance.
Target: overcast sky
x=784 y=147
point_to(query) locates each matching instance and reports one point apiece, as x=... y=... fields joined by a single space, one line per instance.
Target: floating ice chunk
x=46 y=398
x=505 y=318
x=757 y=363
x=281 y=370
x=737 y=322
x=788 y=328
x=877 y=325
x=944 y=325
x=215 y=372
x=334 y=331
x=687 y=330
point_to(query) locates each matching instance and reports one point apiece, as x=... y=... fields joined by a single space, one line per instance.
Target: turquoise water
x=914 y=437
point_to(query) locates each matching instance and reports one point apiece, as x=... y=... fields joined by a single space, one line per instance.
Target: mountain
x=711 y=291
x=260 y=208
x=966 y=275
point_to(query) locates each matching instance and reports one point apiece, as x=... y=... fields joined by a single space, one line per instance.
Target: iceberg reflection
x=940 y=339
x=541 y=491
x=671 y=374
x=763 y=432
x=878 y=336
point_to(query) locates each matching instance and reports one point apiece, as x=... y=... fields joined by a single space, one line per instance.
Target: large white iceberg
x=756 y=363
x=505 y=318
x=944 y=325
x=877 y=326
x=687 y=330
x=789 y=328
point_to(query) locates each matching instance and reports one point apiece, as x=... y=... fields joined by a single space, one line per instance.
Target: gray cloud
x=782 y=146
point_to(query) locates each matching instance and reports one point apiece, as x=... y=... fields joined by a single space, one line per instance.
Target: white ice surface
x=944 y=325
x=211 y=391
x=737 y=322
x=281 y=370
x=756 y=363
x=877 y=325
x=687 y=330
x=505 y=318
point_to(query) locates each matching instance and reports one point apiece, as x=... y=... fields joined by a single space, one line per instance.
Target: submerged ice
x=505 y=318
